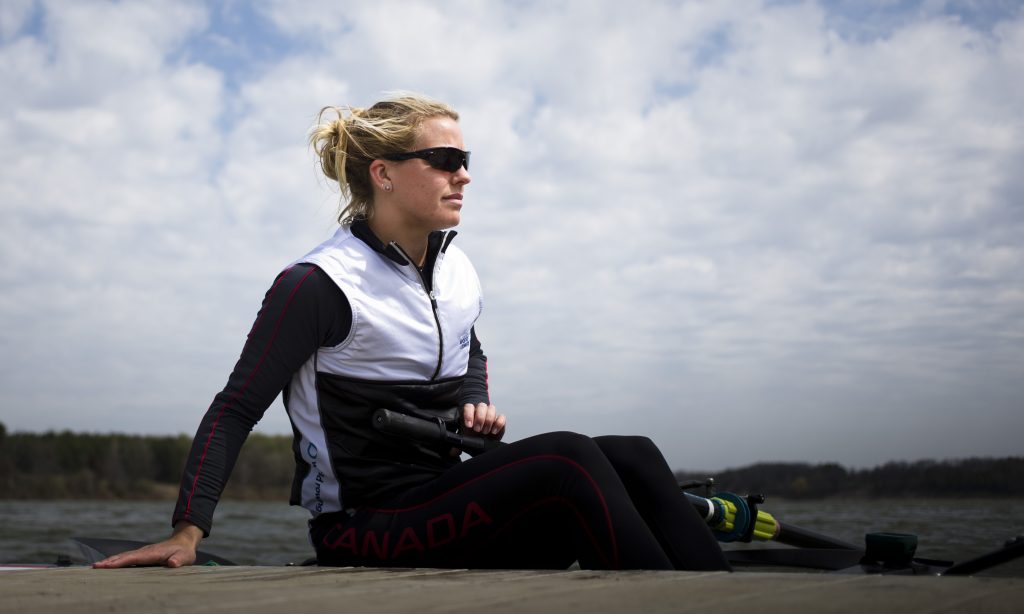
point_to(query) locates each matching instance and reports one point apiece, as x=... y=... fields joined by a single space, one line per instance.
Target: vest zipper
x=440 y=335
x=428 y=288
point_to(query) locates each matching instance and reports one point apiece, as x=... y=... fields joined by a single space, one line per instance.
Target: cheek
x=424 y=198
x=424 y=194
x=430 y=190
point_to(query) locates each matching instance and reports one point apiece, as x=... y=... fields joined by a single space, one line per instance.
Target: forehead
x=439 y=132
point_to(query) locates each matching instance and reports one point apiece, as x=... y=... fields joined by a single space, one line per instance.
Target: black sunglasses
x=447 y=159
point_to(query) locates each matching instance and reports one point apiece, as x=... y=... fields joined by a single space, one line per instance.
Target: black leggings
x=539 y=503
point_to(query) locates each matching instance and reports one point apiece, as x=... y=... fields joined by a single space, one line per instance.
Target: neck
x=413 y=242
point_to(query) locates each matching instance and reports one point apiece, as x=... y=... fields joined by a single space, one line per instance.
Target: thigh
x=542 y=502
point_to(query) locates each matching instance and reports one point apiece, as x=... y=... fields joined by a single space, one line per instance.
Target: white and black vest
x=407 y=349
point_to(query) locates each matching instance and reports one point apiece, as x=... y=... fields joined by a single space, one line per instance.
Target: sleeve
x=474 y=386
x=301 y=312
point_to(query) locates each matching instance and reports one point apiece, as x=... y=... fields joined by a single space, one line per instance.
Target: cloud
x=789 y=226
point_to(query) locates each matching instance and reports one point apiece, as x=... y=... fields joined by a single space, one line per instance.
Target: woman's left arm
x=478 y=414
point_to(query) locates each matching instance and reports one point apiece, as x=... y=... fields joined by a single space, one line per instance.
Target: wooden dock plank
x=254 y=590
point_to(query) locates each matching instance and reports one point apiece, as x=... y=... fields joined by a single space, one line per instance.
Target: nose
x=462 y=176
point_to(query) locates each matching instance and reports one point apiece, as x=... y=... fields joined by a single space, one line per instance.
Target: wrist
x=187 y=533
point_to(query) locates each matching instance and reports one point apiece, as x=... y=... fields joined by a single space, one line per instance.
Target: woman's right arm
x=302 y=311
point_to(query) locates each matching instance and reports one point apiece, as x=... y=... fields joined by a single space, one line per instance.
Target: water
x=248 y=533
x=271 y=533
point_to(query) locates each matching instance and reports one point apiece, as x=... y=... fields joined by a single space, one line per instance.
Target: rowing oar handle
x=430 y=432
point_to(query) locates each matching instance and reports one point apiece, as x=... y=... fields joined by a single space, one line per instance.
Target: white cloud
x=13 y=16
x=689 y=217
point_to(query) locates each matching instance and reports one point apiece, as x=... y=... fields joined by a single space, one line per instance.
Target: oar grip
x=430 y=432
x=396 y=423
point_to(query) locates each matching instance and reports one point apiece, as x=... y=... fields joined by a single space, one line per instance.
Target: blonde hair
x=347 y=144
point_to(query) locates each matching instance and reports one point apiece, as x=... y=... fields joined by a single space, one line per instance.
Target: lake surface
x=267 y=533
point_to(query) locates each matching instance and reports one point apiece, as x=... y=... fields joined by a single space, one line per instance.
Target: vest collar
x=437 y=243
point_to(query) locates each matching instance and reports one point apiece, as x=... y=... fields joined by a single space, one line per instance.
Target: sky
x=752 y=231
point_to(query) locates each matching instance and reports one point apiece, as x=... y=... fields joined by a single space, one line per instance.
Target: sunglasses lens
x=448 y=159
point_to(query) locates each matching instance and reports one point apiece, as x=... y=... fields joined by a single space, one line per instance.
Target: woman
x=382 y=315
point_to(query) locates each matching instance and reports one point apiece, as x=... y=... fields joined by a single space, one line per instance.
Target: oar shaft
x=786 y=533
x=704 y=507
x=802 y=538
x=1013 y=549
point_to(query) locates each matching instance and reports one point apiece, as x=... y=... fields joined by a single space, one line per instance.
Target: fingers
x=142 y=556
x=110 y=562
x=164 y=553
x=475 y=416
x=483 y=418
x=498 y=430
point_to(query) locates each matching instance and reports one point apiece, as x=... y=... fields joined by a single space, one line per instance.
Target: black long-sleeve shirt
x=304 y=310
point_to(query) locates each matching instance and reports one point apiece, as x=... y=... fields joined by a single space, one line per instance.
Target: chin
x=450 y=221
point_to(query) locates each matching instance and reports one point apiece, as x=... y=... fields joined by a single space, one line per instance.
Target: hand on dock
x=178 y=550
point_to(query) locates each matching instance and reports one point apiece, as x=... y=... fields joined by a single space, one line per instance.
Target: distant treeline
x=68 y=465
x=972 y=477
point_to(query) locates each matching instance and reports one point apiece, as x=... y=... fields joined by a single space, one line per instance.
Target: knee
x=627 y=445
x=582 y=451
x=568 y=444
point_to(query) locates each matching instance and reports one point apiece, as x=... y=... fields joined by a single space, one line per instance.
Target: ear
x=379 y=172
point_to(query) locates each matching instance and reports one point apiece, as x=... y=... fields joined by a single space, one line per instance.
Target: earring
x=387 y=187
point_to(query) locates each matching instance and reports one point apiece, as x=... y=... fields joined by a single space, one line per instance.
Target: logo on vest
x=464 y=340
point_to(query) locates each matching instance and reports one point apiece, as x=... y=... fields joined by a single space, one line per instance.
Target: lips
x=456 y=197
